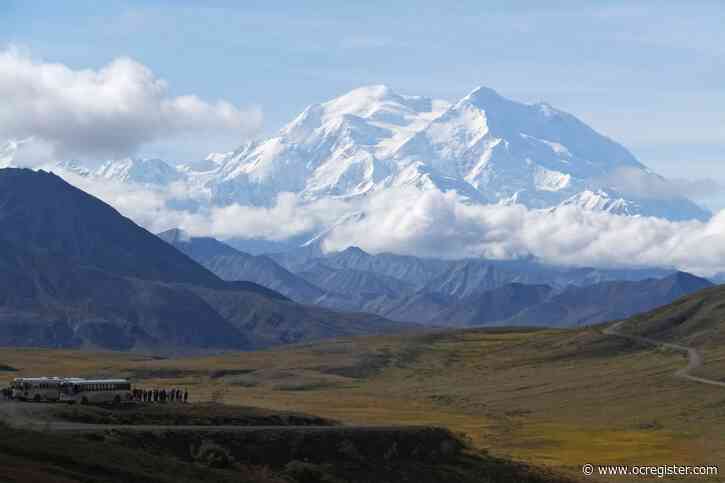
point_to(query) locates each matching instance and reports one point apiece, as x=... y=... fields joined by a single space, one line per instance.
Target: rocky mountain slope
x=230 y=264
x=449 y=292
x=695 y=320
x=608 y=301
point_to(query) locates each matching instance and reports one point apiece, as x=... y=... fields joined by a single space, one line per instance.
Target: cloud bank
x=104 y=113
x=435 y=224
x=439 y=225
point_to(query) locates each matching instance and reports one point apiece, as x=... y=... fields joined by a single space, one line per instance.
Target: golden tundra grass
x=557 y=398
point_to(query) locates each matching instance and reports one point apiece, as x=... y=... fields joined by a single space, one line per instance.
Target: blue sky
x=648 y=74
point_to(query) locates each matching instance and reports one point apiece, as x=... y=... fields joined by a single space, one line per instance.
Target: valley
x=555 y=398
x=555 y=377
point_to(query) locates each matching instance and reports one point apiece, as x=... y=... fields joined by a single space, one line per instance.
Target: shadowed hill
x=41 y=212
x=609 y=301
x=695 y=320
x=75 y=273
x=233 y=265
x=498 y=304
x=458 y=293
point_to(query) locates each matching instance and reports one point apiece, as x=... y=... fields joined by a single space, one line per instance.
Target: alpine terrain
x=487 y=148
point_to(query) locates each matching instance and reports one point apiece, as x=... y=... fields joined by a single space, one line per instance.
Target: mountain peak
x=375 y=91
x=486 y=148
x=483 y=93
x=354 y=251
x=174 y=235
x=365 y=102
x=149 y=171
x=70 y=224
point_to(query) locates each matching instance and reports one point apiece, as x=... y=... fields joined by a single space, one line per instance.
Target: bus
x=95 y=391
x=36 y=388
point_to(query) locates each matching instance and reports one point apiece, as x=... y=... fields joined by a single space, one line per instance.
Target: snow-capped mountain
x=341 y=148
x=530 y=154
x=129 y=170
x=487 y=148
x=602 y=201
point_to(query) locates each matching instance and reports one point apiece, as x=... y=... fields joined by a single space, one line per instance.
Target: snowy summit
x=487 y=148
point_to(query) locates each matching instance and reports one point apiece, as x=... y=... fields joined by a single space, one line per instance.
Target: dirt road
x=694 y=356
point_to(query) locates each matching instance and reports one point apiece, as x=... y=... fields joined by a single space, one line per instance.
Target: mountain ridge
x=455 y=293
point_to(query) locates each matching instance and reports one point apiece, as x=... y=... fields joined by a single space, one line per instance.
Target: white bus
x=95 y=391
x=36 y=388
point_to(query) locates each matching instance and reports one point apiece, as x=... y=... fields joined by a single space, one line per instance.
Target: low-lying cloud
x=435 y=224
x=439 y=225
x=104 y=113
x=642 y=184
x=162 y=208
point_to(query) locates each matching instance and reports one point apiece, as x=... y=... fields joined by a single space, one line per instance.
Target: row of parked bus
x=71 y=390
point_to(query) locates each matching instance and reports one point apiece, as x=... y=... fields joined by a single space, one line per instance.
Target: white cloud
x=105 y=113
x=161 y=208
x=434 y=224
x=439 y=225
x=8 y=151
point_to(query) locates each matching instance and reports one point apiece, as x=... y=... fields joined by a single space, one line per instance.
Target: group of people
x=160 y=395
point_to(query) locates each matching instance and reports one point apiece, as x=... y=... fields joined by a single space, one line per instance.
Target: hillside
x=41 y=212
x=497 y=305
x=455 y=293
x=608 y=301
x=75 y=273
x=546 y=397
x=696 y=320
x=283 y=455
x=233 y=265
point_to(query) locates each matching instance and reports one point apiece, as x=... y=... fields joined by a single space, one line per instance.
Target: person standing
x=186 y=395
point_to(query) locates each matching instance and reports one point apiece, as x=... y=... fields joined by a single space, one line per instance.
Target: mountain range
x=75 y=273
x=487 y=148
x=444 y=292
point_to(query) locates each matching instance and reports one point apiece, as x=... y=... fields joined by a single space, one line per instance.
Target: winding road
x=694 y=356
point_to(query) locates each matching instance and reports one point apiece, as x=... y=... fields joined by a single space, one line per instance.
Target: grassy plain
x=550 y=397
